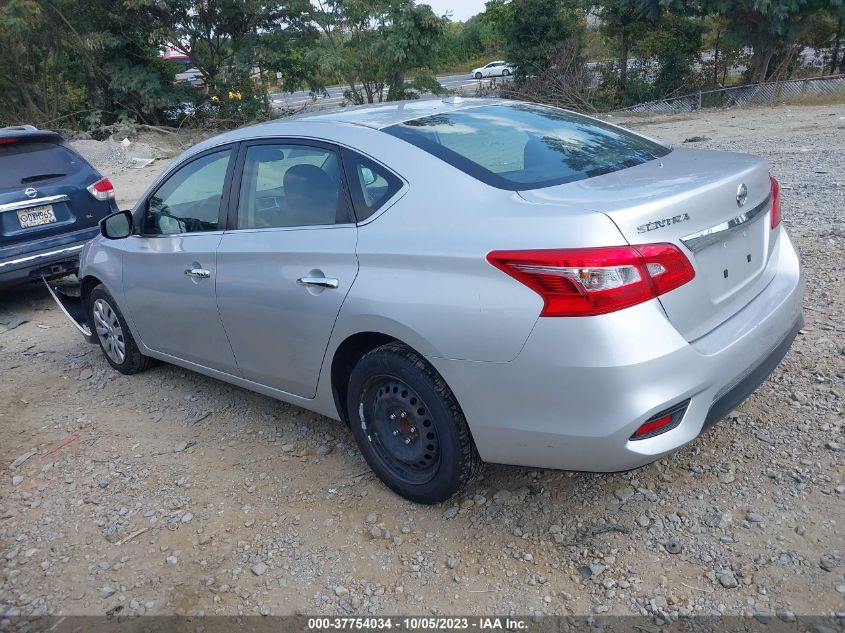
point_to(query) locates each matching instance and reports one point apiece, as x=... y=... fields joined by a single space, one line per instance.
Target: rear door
x=43 y=191
x=170 y=267
x=287 y=262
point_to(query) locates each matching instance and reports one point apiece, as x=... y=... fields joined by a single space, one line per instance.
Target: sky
x=459 y=10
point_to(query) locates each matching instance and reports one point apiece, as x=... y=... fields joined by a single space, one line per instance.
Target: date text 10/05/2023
x=417 y=623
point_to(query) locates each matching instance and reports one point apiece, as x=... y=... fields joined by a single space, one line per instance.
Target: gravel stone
x=728 y=580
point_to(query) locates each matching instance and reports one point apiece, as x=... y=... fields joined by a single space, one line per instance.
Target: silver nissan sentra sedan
x=460 y=281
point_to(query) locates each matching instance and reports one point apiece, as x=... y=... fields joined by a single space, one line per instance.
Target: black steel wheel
x=409 y=426
x=400 y=430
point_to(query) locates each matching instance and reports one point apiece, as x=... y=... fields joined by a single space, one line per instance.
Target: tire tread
x=470 y=463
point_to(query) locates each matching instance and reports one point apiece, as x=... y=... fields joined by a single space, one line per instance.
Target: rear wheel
x=409 y=426
x=113 y=334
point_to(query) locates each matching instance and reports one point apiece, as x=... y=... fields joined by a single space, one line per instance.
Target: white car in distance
x=493 y=69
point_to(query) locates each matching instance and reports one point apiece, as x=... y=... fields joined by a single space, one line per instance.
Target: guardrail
x=740 y=96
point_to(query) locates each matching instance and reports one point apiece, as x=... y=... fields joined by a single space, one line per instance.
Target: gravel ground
x=171 y=493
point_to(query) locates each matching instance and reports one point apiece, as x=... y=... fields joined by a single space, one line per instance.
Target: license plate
x=36 y=216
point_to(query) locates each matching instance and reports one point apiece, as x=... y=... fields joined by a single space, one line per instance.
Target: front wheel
x=113 y=334
x=478 y=75
x=409 y=425
x=505 y=72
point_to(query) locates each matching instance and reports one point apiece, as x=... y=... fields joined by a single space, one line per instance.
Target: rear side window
x=27 y=164
x=523 y=146
x=286 y=186
x=370 y=184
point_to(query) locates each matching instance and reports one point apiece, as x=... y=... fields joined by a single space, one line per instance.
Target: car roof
x=378 y=116
x=383 y=115
x=374 y=116
x=28 y=132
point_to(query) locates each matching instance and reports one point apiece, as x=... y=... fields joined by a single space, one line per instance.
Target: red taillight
x=776 y=214
x=102 y=189
x=590 y=281
x=7 y=141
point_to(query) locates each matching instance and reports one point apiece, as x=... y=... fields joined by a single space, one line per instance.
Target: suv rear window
x=28 y=164
x=523 y=146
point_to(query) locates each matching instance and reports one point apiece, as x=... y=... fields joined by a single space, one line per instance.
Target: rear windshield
x=522 y=146
x=27 y=164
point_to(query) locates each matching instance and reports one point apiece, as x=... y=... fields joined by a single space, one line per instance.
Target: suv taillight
x=591 y=281
x=101 y=190
x=776 y=214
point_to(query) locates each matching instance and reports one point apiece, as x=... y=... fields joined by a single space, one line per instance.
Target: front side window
x=371 y=184
x=524 y=146
x=291 y=185
x=189 y=200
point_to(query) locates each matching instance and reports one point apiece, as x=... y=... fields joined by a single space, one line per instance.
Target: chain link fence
x=740 y=96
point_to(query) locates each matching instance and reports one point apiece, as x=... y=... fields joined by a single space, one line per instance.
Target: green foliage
x=767 y=26
x=97 y=65
x=370 y=45
x=466 y=45
x=533 y=31
x=227 y=39
x=60 y=63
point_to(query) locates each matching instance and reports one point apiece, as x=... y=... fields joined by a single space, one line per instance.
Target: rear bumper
x=57 y=255
x=736 y=395
x=581 y=387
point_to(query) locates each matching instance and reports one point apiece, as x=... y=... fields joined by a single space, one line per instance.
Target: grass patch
x=832 y=98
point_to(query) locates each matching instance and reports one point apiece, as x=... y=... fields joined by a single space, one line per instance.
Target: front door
x=287 y=263
x=170 y=267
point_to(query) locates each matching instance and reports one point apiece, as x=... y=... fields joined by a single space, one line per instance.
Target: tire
x=409 y=425
x=506 y=73
x=112 y=333
x=479 y=76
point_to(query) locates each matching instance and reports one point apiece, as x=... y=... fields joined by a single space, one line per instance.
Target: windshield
x=521 y=146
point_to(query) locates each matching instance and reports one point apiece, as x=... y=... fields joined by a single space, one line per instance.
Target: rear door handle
x=319 y=282
x=198 y=273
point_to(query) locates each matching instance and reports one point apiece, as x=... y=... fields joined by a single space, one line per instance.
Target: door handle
x=319 y=282
x=198 y=273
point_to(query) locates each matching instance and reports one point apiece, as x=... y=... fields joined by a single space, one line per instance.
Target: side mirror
x=117 y=225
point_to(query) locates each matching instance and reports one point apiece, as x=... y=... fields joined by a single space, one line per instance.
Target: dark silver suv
x=51 y=201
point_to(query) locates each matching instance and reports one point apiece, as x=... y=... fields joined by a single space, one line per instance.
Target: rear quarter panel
x=424 y=277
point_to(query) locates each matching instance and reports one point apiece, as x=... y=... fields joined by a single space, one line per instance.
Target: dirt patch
x=169 y=492
x=132 y=164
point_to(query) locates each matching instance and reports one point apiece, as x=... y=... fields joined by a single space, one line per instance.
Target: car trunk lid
x=689 y=198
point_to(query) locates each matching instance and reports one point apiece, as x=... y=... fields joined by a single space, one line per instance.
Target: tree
x=223 y=37
x=624 y=22
x=768 y=26
x=64 y=64
x=533 y=31
x=371 y=45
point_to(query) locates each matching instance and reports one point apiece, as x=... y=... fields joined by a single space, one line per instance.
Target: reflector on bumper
x=661 y=422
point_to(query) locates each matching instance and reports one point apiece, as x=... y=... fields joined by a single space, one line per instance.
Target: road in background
x=462 y=84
